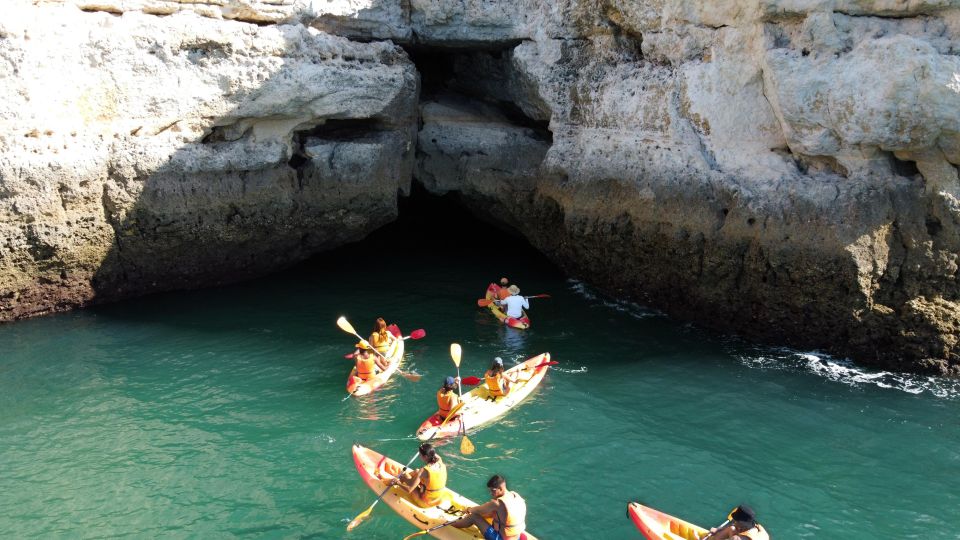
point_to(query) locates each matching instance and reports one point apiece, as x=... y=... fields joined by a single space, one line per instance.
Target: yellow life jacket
x=435 y=483
x=516 y=509
x=380 y=342
x=756 y=533
x=366 y=367
x=494 y=384
x=446 y=401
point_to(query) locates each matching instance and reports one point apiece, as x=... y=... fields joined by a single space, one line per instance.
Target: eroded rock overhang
x=781 y=170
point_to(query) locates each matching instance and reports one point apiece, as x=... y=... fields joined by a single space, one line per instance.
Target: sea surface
x=220 y=413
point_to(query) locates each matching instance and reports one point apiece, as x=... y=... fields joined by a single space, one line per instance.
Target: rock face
x=787 y=169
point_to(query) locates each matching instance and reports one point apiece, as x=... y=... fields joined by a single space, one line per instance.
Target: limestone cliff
x=787 y=169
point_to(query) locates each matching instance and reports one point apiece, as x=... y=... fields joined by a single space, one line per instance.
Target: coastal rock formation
x=146 y=153
x=786 y=169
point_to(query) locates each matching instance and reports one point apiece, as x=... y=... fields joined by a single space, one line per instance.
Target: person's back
x=381 y=337
x=366 y=364
x=447 y=399
x=743 y=527
x=511 y=522
x=515 y=305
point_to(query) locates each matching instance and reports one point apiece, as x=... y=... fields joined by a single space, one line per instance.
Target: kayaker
x=369 y=363
x=507 y=509
x=381 y=338
x=447 y=397
x=515 y=303
x=498 y=381
x=427 y=483
x=503 y=291
x=744 y=527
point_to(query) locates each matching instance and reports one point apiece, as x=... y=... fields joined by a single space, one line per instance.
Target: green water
x=218 y=414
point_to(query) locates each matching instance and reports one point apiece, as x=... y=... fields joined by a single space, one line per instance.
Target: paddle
x=720 y=528
x=416 y=334
x=484 y=302
x=466 y=447
x=366 y=513
x=345 y=325
x=430 y=530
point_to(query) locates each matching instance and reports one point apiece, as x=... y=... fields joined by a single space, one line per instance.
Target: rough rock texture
x=186 y=151
x=787 y=169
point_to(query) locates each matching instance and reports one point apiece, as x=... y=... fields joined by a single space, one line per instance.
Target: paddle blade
x=345 y=325
x=470 y=381
x=418 y=533
x=359 y=519
x=466 y=447
x=410 y=376
x=484 y=302
x=418 y=333
x=455 y=353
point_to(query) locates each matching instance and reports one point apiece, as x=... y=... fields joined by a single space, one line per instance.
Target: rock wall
x=787 y=169
x=143 y=153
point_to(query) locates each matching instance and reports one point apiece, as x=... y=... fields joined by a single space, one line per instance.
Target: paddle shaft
x=720 y=528
x=431 y=529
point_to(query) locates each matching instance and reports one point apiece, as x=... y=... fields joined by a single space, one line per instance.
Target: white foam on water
x=632 y=309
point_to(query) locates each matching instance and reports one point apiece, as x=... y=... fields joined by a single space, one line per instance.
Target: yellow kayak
x=394 y=355
x=479 y=408
x=656 y=525
x=374 y=469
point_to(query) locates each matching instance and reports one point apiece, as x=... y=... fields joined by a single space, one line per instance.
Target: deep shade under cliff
x=218 y=413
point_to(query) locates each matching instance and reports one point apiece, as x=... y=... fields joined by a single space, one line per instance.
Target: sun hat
x=743 y=513
x=513 y=289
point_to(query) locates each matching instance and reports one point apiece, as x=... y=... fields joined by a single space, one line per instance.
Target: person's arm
x=726 y=533
x=526 y=303
x=486 y=509
x=408 y=480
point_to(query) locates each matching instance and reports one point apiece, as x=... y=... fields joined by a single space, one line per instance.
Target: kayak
x=479 y=408
x=359 y=387
x=655 y=525
x=377 y=469
x=521 y=324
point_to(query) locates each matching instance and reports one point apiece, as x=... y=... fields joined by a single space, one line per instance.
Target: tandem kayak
x=655 y=525
x=358 y=387
x=376 y=470
x=492 y=294
x=479 y=408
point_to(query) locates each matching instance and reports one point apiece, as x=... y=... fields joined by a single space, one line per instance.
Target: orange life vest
x=446 y=401
x=756 y=533
x=366 y=367
x=503 y=293
x=435 y=483
x=516 y=509
x=494 y=383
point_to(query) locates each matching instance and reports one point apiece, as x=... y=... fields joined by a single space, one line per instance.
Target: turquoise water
x=219 y=413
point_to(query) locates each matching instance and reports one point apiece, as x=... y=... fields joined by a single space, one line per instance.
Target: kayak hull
x=656 y=525
x=359 y=387
x=521 y=323
x=479 y=408
x=374 y=470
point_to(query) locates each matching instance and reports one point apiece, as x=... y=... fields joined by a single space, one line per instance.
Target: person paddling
x=515 y=304
x=744 y=527
x=381 y=338
x=498 y=381
x=369 y=363
x=507 y=509
x=427 y=483
x=447 y=398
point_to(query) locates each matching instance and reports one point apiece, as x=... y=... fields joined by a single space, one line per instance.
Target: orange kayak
x=656 y=525
x=359 y=387
x=521 y=324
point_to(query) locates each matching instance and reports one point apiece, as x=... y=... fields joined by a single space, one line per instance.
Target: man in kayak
x=498 y=381
x=369 y=363
x=507 y=509
x=447 y=398
x=381 y=338
x=427 y=483
x=744 y=527
x=515 y=304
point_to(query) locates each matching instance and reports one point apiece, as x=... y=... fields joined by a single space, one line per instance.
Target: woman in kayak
x=447 y=399
x=381 y=338
x=507 y=509
x=427 y=483
x=744 y=527
x=498 y=381
x=369 y=363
